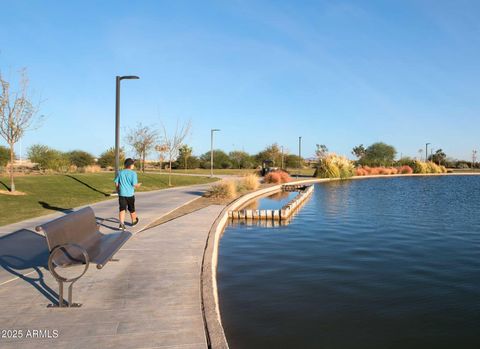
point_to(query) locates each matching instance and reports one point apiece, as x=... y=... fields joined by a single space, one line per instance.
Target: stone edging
x=208 y=281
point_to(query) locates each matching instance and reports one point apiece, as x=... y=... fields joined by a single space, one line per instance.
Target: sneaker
x=136 y=222
x=122 y=227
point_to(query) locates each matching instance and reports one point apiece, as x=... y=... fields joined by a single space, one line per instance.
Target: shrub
x=365 y=170
x=433 y=167
x=48 y=159
x=80 y=158
x=226 y=189
x=327 y=168
x=277 y=177
x=405 y=169
x=360 y=172
x=90 y=169
x=4 y=156
x=420 y=167
x=107 y=158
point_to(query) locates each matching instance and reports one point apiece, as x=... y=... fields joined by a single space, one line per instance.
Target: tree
x=142 y=139
x=220 y=159
x=378 y=154
x=47 y=158
x=107 y=158
x=4 y=156
x=80 y=158
x=272 y=152
x=439 y=157
x=359 y=151
x=184 y=153
x=173 y=142
x=17 y=115
x=161 y=149
x=321 y=152
x=292 y=161
x=240 y=159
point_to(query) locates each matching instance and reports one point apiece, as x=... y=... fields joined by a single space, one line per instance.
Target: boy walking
x=126 y=182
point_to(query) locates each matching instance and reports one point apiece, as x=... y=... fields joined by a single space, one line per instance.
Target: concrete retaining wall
x=277 y=215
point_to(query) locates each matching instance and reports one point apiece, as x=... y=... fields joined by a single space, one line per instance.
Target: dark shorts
x=127 y=201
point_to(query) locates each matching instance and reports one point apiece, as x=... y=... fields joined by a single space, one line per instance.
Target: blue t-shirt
x=126 y=180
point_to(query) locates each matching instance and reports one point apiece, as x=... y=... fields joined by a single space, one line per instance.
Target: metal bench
x=74 y=240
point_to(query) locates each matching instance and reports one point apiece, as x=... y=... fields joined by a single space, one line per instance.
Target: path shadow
x=47 y=206
x=88 y=185
x=197 y=192
x=104 y=222
x=22 y=251
x=5 y=185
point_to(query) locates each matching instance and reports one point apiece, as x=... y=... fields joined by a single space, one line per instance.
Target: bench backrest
x=75 y=227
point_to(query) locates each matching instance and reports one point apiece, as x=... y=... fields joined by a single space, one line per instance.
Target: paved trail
x=149 y=299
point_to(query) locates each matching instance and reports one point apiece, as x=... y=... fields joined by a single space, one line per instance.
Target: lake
x=370 y=263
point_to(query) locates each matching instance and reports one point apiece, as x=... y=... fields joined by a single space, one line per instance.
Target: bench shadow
x=47 y=206
x=88 y=185
x=23 y=250
x=104 y=222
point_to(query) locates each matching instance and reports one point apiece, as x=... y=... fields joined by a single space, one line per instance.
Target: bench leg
x=61 y=300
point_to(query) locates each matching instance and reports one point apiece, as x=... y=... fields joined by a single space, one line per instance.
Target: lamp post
x=117 y=118
x=426 y=151
x=282 y=158
x=211 y=150
x=299 y=154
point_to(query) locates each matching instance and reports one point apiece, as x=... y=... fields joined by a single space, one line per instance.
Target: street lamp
x=117 y=118
x=282 y=159
x=426 y=151
x=211 y=149
x=299 y=154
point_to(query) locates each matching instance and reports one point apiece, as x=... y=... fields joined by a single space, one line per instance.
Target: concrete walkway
x=149 y=299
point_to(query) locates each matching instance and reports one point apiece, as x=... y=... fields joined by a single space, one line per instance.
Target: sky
x=339 y=73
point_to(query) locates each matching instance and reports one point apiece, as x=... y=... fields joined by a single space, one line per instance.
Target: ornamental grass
x=334 y=166
x=277 y=177
x=225 y=189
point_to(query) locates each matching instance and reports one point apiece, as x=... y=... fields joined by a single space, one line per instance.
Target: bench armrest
x=65 y=250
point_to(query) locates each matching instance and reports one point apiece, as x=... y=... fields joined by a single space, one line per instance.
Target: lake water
x=372 y=263
x=272 y=202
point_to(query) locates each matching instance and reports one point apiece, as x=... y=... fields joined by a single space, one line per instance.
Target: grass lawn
x=239 y=172
x=49 y=193
x=206 y=172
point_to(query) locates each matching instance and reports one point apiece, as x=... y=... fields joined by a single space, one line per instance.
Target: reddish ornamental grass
x=277 y=177
x=373 y=171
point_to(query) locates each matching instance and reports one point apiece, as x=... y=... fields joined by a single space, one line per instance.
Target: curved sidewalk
x=149 y=299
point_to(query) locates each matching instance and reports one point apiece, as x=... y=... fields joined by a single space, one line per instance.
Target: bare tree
x=142 y=139
x=161 y=149
x=173 y=142
x=17 y=115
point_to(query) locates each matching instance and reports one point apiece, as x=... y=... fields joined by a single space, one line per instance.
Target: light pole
x=117 y=119
x=211 y=150
x=426 y=151
x=299 y=153
x=282 y=157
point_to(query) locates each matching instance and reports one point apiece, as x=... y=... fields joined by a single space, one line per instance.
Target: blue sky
x=338 y=73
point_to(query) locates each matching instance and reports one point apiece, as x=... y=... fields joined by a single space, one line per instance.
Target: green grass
x=464 y=170
x=302 y=171
x=50 y=193
x=230 y=171
x=240 y=172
